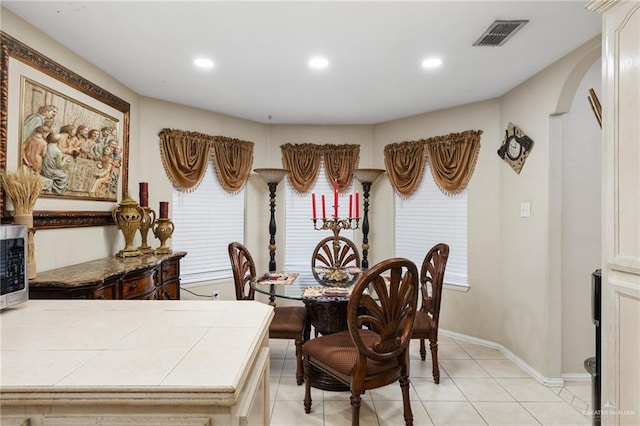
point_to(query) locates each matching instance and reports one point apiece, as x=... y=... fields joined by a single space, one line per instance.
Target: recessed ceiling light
x=432 y=63
x=203 y=63
x=318 y=62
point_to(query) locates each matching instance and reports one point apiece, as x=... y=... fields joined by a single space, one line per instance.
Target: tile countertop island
x=108 y=362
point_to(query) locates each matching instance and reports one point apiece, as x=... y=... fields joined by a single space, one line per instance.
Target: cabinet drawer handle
x=133 y=286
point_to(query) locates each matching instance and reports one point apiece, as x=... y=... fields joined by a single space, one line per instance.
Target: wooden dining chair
x=428 y=317
x=373 y=352
x=325 y=256
x=289 y=322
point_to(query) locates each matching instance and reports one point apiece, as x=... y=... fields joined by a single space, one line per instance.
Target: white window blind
x=206 y=220
x=301 y=238
x=430 y=217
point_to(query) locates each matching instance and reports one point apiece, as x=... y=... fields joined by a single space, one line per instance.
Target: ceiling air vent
x=499 y=32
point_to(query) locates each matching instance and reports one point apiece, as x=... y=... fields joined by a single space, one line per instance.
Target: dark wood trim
x=50 y=219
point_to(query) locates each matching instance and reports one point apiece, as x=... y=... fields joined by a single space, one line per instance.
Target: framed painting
x=72 y=133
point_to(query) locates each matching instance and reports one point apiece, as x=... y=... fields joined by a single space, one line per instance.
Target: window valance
x=304 y=162
x=405 y=162
x=185 y=156
x=452 y=159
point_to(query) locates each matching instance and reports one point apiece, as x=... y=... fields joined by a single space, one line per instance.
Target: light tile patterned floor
x=478 y=386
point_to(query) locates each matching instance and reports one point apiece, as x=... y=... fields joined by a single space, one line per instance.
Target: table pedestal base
x=324 y=381
x=327 y=316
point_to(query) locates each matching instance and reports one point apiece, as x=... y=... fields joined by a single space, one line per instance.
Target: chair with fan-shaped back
x=289 y=322
x=326 y=255
x=244 y=271
x=373 y=352
x=428 y=317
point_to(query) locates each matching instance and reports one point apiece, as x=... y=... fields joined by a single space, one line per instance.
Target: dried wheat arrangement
x=22 y=188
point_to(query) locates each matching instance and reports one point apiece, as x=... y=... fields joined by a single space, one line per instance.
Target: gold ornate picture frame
x=31 y=81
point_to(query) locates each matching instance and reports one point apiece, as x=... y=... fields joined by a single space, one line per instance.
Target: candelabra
x=272 y=177
x=366 y=177
x=336 y=225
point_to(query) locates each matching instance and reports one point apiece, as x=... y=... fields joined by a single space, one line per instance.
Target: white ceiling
x=261 y=51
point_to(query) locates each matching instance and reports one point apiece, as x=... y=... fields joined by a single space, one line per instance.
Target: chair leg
x=306 y=334
x=299 y=370
x=307 y=386
x=423 y=350
x=408 y=415
x=433 y=345
x=356 y=400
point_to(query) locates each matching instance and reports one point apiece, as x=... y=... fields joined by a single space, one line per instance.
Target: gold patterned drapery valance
x=452 y=159
x=304 y=162
x=405 y=162
x=339 y=163
x=185 y=156
x=233 y=159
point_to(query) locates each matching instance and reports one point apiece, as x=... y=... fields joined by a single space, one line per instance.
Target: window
x=430 y=217
x=301 y=238
x=206 y=220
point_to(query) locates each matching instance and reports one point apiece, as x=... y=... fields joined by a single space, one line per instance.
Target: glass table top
x=294 y=286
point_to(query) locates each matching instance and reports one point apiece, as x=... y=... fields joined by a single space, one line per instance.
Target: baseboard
x=547 y=381
x=576 y=377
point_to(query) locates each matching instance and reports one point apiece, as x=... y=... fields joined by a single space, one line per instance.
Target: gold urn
x=146 y=223
x=128 y=216
x=163 y=229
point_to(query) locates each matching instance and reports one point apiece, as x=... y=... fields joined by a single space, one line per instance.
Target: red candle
x=350 y=205
x=313 y=205
x=335 y=198
x=357 y=204
x=164 y=209
x=324 y=211
x=144 y=194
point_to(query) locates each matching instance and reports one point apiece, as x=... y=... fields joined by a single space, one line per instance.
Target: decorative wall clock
x=515 y=147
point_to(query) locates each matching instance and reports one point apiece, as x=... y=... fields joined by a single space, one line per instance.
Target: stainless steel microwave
x=14 y=281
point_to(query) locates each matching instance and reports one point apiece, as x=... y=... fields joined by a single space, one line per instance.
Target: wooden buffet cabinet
x=149 y=277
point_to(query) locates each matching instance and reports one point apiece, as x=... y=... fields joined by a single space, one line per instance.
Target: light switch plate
x=525 y=209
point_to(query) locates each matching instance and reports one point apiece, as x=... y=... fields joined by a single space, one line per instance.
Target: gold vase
x=146 y=223
x=128 y=216
x=27 y=220
x=163 y=228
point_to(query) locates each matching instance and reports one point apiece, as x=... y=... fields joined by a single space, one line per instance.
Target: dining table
x=326 y=308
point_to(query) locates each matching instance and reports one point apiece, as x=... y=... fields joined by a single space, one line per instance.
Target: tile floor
x=478 y=386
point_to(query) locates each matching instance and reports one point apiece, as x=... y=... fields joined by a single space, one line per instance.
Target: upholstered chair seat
x=289 y=322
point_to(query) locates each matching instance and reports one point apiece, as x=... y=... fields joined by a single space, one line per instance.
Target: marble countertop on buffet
x=97 y=271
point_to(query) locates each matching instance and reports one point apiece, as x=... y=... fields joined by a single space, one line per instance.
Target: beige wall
x=581 y=222
x=509 y=301
x=530 y=292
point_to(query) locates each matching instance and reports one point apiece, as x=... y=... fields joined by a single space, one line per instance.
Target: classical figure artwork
x=515 y=147
x=75 y=149
x=72 y=133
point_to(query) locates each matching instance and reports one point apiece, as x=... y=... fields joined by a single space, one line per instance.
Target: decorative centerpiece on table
x=335 y=275
x=23 y=189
